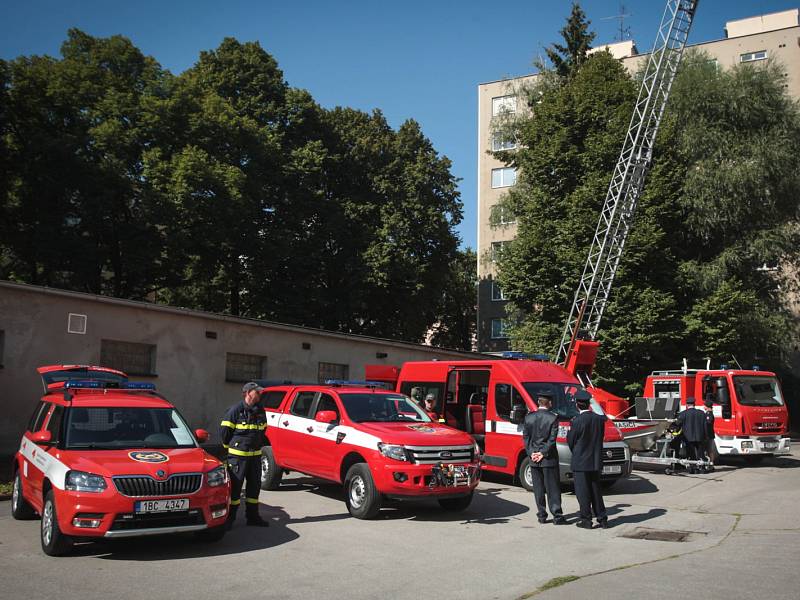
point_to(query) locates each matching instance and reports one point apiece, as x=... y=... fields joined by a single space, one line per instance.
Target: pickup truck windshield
x=758 y=391
x=104 y=428
x=563 y=397
x=382 y=407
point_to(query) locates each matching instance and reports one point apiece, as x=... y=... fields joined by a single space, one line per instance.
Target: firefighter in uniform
x=243 y=434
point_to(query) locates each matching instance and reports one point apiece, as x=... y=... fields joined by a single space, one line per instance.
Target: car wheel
x=456 y=504
x=212 y=534
x=271 y=473
x=54 y=543
x=20 y=509
x=362 y=499
x=524 y=474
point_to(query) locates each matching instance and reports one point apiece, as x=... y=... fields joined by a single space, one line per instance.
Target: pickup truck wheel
x=524 y=474
x=456 y=504
x=362 y=499
x=271 y=473
x=20 y=509
x=54 y=543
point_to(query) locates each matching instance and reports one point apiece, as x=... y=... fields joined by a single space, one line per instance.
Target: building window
x=497 y=292
x=333 y=371
x=502 y=216
x=497 y=250
x=499 y=329
x=505 y=177
x=500 y=143
x=245 y=367
x=504 y=104
x=753 y=56
x=130 y=357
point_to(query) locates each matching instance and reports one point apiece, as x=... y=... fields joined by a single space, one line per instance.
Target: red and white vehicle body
x=377 y=443
x=489 y=398
x=105 y=458
x=750 y=414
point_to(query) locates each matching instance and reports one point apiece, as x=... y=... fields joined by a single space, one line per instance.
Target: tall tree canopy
x=719 y=205
x=223 y=189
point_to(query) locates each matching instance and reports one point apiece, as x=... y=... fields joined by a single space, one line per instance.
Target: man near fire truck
x=585 y=439
x=693 y=425
x=539 y=432
x=242 y=432
x=711 y=447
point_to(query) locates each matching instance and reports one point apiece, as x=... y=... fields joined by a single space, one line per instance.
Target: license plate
x=157 y=506
x=612 y=469
x=770 y=445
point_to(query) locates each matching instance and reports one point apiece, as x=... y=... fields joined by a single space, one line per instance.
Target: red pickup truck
x=377 y=443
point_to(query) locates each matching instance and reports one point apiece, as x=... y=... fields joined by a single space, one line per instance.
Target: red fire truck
x=489 y=399
x=750 y=415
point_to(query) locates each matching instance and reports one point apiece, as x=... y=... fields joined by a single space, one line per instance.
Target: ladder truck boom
x=627 y=181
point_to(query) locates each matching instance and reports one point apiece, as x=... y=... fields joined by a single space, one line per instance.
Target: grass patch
x=549 y=585
x=5 y=488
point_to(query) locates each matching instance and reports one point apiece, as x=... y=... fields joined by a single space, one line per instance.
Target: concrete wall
x=189 y=366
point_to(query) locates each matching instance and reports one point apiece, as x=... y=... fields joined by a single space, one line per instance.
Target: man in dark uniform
x=711 y=447
x=693 y=426
x=585 y=439
x=243 y=433
x=539 y=431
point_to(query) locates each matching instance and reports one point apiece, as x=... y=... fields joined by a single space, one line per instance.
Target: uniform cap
x=582 y=397
x=251 y=385
x=691 y=401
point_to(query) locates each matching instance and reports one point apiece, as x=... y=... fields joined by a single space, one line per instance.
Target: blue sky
x=411 y=59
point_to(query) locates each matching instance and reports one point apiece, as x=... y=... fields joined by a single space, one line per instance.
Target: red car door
x=34 y=463
x=322 y=447
x=292 y=432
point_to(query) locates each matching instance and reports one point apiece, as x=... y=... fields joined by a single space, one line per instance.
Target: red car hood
x=417 y=434
x=121 y=462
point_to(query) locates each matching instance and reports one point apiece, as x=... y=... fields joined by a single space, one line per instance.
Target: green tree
x=456 y=321
x=567 y=58
x=719 y=204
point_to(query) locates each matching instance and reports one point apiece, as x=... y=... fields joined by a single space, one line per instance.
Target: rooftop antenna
x=624 y=31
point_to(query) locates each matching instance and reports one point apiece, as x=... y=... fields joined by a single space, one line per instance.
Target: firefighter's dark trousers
x=241 y=468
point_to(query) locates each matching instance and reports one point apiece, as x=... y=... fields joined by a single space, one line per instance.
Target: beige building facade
x=198 y=360
x=773 y=36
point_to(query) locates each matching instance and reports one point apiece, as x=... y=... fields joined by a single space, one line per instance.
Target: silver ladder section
x=627 y=181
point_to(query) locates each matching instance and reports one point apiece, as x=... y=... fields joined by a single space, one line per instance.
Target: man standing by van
x=585 y=439
x=539 y=431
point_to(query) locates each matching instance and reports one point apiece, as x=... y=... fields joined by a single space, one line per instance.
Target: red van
x=489 y=400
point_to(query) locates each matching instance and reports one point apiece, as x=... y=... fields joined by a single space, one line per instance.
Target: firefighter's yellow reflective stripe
x=224 y=445
x=228 y=424
x=240 y=426
x=236 y=502
x=236 y=452
x=251 y=500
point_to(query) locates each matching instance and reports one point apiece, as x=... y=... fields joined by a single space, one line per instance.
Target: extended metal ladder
x=627 y=182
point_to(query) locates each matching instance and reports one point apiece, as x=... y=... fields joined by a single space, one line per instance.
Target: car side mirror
x=518 y=413
x=326 y=416
x=42 y=437
x=202 y=435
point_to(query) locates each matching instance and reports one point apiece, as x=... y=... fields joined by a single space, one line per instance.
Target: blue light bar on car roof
x=354 y=383
x=138 y=385
x=514 y=355
x=81 y=383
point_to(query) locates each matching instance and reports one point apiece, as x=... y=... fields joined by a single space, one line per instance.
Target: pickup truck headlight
x=79 y=481
x=392 y=451
x=217 y=477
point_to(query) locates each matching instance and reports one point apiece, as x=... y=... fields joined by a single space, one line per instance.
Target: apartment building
x=751 y=40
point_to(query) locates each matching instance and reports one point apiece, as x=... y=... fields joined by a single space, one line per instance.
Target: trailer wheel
x=668 y=471
x=524 y=473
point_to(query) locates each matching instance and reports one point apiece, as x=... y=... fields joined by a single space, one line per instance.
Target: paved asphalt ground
x=741 y=530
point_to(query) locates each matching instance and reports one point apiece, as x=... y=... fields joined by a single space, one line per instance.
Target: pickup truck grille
x=142 y=486
x=617 y=454
x=431 y=455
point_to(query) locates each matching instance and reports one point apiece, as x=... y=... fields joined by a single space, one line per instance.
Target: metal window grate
x=244 y=367
x=76 y=323
x=333 y=371
x=130 y=357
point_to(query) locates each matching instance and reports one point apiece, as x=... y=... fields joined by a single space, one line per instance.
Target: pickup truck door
x=292 y=432
x=322 y=447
